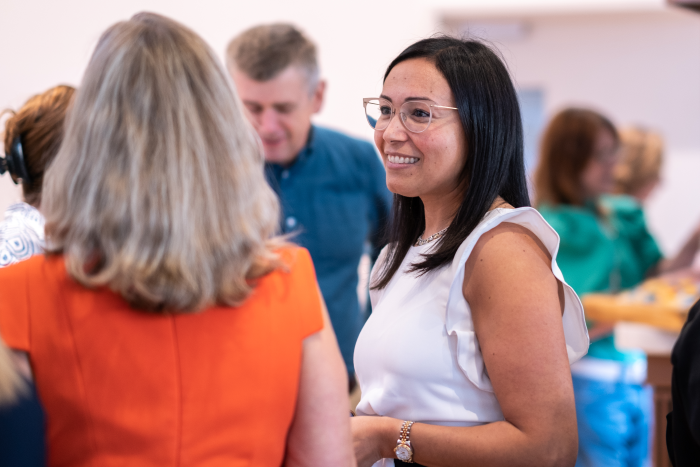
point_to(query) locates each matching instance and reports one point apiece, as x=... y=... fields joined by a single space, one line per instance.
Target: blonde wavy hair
x=640 y=161
x=158 y=189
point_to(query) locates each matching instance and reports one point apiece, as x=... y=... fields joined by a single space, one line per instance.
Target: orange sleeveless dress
x=127 y=388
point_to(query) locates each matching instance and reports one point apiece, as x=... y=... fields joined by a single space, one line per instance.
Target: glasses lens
x=378 y=113
x=416 y=116
x=607 y=156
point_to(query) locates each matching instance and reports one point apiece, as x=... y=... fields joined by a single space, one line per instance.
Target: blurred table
x=653 y=326
x=608 y=309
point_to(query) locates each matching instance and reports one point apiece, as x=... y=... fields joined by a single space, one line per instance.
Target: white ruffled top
x=418 y=357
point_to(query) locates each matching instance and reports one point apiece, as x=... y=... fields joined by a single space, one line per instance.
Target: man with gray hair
x=332 y=186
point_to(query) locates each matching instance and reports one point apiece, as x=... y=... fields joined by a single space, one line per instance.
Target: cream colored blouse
x=418 y=357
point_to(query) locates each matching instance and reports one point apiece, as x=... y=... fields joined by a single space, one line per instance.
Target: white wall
x=45 y=43
x=637 y=68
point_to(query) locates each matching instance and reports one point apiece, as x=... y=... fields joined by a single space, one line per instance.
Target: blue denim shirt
x=334 y=198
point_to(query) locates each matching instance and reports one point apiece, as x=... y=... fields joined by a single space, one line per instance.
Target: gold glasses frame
x=402 y=115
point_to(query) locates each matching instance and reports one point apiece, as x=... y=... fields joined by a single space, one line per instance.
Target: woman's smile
x=441 y=148
x=399 y=161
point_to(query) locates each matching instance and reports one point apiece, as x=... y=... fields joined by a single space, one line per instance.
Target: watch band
x=403 y=449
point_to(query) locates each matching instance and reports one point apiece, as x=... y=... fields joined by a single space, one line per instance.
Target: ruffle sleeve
x=459 y=323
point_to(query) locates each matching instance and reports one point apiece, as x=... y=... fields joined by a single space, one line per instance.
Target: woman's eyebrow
x=412 y=98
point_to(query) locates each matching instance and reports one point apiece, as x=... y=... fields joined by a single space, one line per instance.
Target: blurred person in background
x=32 y=137
x=638 y=174
x=331 y=186
x=173 y=327
x=605 y=247
x=638 y=171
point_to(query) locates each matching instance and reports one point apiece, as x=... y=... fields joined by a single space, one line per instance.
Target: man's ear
x=318 y=96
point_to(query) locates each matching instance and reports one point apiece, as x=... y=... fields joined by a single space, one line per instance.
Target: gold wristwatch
x=403 y=449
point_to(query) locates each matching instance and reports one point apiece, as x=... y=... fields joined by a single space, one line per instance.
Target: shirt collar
x=308 y=148
x=304 y=154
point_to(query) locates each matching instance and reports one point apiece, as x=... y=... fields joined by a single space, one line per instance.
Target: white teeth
x=402 y=160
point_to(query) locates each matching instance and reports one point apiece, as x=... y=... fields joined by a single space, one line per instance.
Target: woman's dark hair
x=568 y=145
x=488 y=109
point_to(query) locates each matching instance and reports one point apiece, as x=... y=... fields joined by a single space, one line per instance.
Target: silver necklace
x=421 y=242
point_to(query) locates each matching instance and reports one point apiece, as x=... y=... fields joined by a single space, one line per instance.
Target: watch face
x=403 y=452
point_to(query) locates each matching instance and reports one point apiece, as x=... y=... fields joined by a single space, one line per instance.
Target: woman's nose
x=395 y=131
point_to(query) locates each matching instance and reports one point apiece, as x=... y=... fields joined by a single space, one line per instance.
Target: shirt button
x=285 y=174
x=291 y=222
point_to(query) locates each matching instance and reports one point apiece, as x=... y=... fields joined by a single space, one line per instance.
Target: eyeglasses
x=415 y=115
x=607 y=156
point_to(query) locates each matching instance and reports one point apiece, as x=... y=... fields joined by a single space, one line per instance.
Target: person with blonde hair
x=173 y=327
x=638 y=172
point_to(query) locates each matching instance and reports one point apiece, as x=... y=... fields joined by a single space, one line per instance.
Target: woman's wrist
x=390 y=430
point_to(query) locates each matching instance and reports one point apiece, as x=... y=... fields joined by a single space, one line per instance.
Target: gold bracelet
x=403 y=449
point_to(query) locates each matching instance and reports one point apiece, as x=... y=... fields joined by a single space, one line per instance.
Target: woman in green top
x=605 y=247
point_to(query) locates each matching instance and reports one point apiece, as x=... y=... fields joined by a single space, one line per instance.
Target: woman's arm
x=320 y=432
x=683 y=259
x=516 y=305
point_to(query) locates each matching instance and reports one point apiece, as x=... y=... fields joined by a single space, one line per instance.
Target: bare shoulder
x=508 y=259
x=509 y=241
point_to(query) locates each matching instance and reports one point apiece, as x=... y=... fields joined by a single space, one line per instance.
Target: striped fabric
x=21 y=234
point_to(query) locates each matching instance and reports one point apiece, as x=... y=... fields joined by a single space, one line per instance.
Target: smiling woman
x=486 y=125
x=465 y=358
